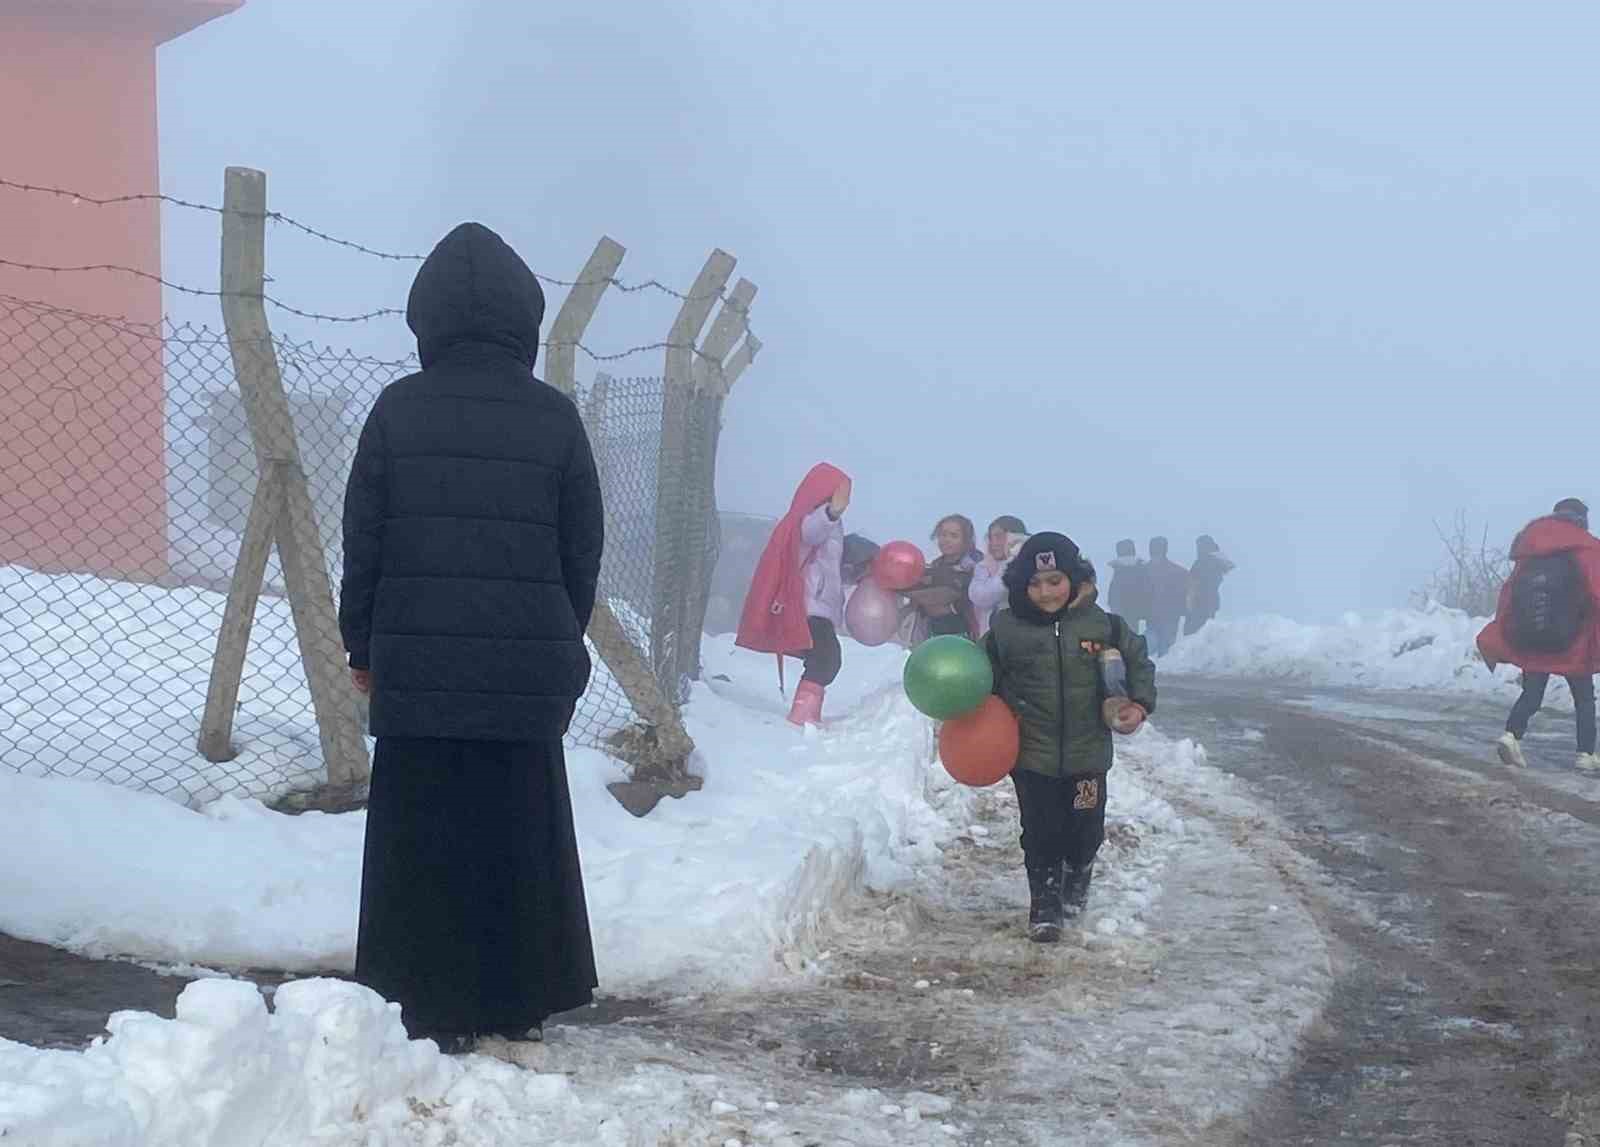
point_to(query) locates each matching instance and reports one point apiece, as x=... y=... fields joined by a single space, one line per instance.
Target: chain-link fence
x=127 y=475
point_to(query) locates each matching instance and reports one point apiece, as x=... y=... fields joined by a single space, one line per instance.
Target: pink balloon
x=899 y=565
x=873 y=613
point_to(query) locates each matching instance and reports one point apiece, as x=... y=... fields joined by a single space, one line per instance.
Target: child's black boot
x=1075 y=888
x=1044 y=908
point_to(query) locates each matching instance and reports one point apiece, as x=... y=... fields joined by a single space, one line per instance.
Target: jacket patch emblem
x=1045 y=560
x=1088 y=798
x=1093 y=648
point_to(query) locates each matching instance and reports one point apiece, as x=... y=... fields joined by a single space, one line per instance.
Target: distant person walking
x=1205 y=584
x=1129 y=596
x=1548 y=623
x=472 y=538
x=1169 y=597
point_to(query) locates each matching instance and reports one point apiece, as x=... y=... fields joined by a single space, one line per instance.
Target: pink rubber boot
x=807 y=707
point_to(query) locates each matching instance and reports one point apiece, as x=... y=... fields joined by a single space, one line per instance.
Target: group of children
x=1160 y=593
x=1032 y=602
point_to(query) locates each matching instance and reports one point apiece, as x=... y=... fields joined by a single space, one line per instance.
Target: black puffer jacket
x=472 y=521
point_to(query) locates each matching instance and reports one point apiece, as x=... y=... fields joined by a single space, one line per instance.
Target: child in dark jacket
x=1047 y=650
x=940 y=598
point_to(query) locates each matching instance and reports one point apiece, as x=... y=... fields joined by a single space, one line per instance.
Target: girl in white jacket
x=987 y=591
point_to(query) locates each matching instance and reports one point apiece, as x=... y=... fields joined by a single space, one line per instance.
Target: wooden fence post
x=667 y=619
x=610 y=638
x=287 y=504
x=740 y=362
x=701 y=528
x=561 y=346
x=233 y=638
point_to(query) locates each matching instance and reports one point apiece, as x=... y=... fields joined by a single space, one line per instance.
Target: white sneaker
x=1510 y=750
x=1589 y=763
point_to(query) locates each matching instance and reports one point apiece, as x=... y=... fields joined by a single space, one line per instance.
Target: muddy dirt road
x=1465 y=900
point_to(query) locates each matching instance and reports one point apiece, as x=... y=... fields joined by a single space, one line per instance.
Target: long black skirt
x=472 y=910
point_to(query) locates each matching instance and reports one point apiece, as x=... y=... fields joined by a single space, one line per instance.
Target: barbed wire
x=106 y=201
x=200 y=292
x=621 y=285
x=152 y=330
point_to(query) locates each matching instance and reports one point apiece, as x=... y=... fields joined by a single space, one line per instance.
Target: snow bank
x=331 y=1065
x=1430 y=649
x=716 y=889
x=224 y=1072
x=106 y=871
x=721 y=887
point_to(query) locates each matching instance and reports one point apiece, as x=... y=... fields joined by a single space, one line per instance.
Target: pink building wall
x=82 y=403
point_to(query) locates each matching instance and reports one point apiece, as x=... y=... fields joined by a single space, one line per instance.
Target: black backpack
x=1548 y=604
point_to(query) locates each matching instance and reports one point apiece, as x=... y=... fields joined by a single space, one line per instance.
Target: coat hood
x=474 y=288
x=1553 y=534
x=774 y=615
x=816 y=487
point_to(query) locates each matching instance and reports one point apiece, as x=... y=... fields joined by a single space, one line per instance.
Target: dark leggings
x=1063 y=818
x=824 y=659
x=1533 y=687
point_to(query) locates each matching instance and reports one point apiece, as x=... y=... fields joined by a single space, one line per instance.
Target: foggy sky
x=1302 y=277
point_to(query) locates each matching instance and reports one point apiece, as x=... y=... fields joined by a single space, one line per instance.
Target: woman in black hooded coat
x=472 y=535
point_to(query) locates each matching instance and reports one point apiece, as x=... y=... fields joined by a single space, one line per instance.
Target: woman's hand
x=362 y=680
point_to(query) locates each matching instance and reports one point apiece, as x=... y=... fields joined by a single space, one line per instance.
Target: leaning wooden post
x=701 y=530
x=293 y=520
x=669 y=560
x=561 y=345
x=609 y=637
x=238 y=616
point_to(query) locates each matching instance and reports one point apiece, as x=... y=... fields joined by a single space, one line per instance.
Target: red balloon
x=899 y=565
x=980 y=747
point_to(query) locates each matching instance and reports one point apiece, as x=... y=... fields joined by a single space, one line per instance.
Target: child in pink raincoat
x=795 y=606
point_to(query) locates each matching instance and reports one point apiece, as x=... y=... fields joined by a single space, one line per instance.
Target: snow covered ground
x=1177 y=1000
x=707 y=890
x=1430 y=649
x=107 y=680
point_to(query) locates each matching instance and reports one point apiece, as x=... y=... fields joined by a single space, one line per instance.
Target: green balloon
x=948 y=676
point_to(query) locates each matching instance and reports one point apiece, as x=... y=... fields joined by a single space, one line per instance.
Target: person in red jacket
x=795 y=605
x=1548 y=622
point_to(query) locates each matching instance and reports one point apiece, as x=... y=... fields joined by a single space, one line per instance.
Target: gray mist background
x=1301 y=276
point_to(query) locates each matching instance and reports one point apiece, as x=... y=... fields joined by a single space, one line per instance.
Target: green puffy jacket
x=1050 y=676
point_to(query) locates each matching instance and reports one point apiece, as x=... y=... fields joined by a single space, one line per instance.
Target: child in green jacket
x=1047 y=650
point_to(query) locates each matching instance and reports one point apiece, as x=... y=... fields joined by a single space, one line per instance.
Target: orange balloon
x=980 y=747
